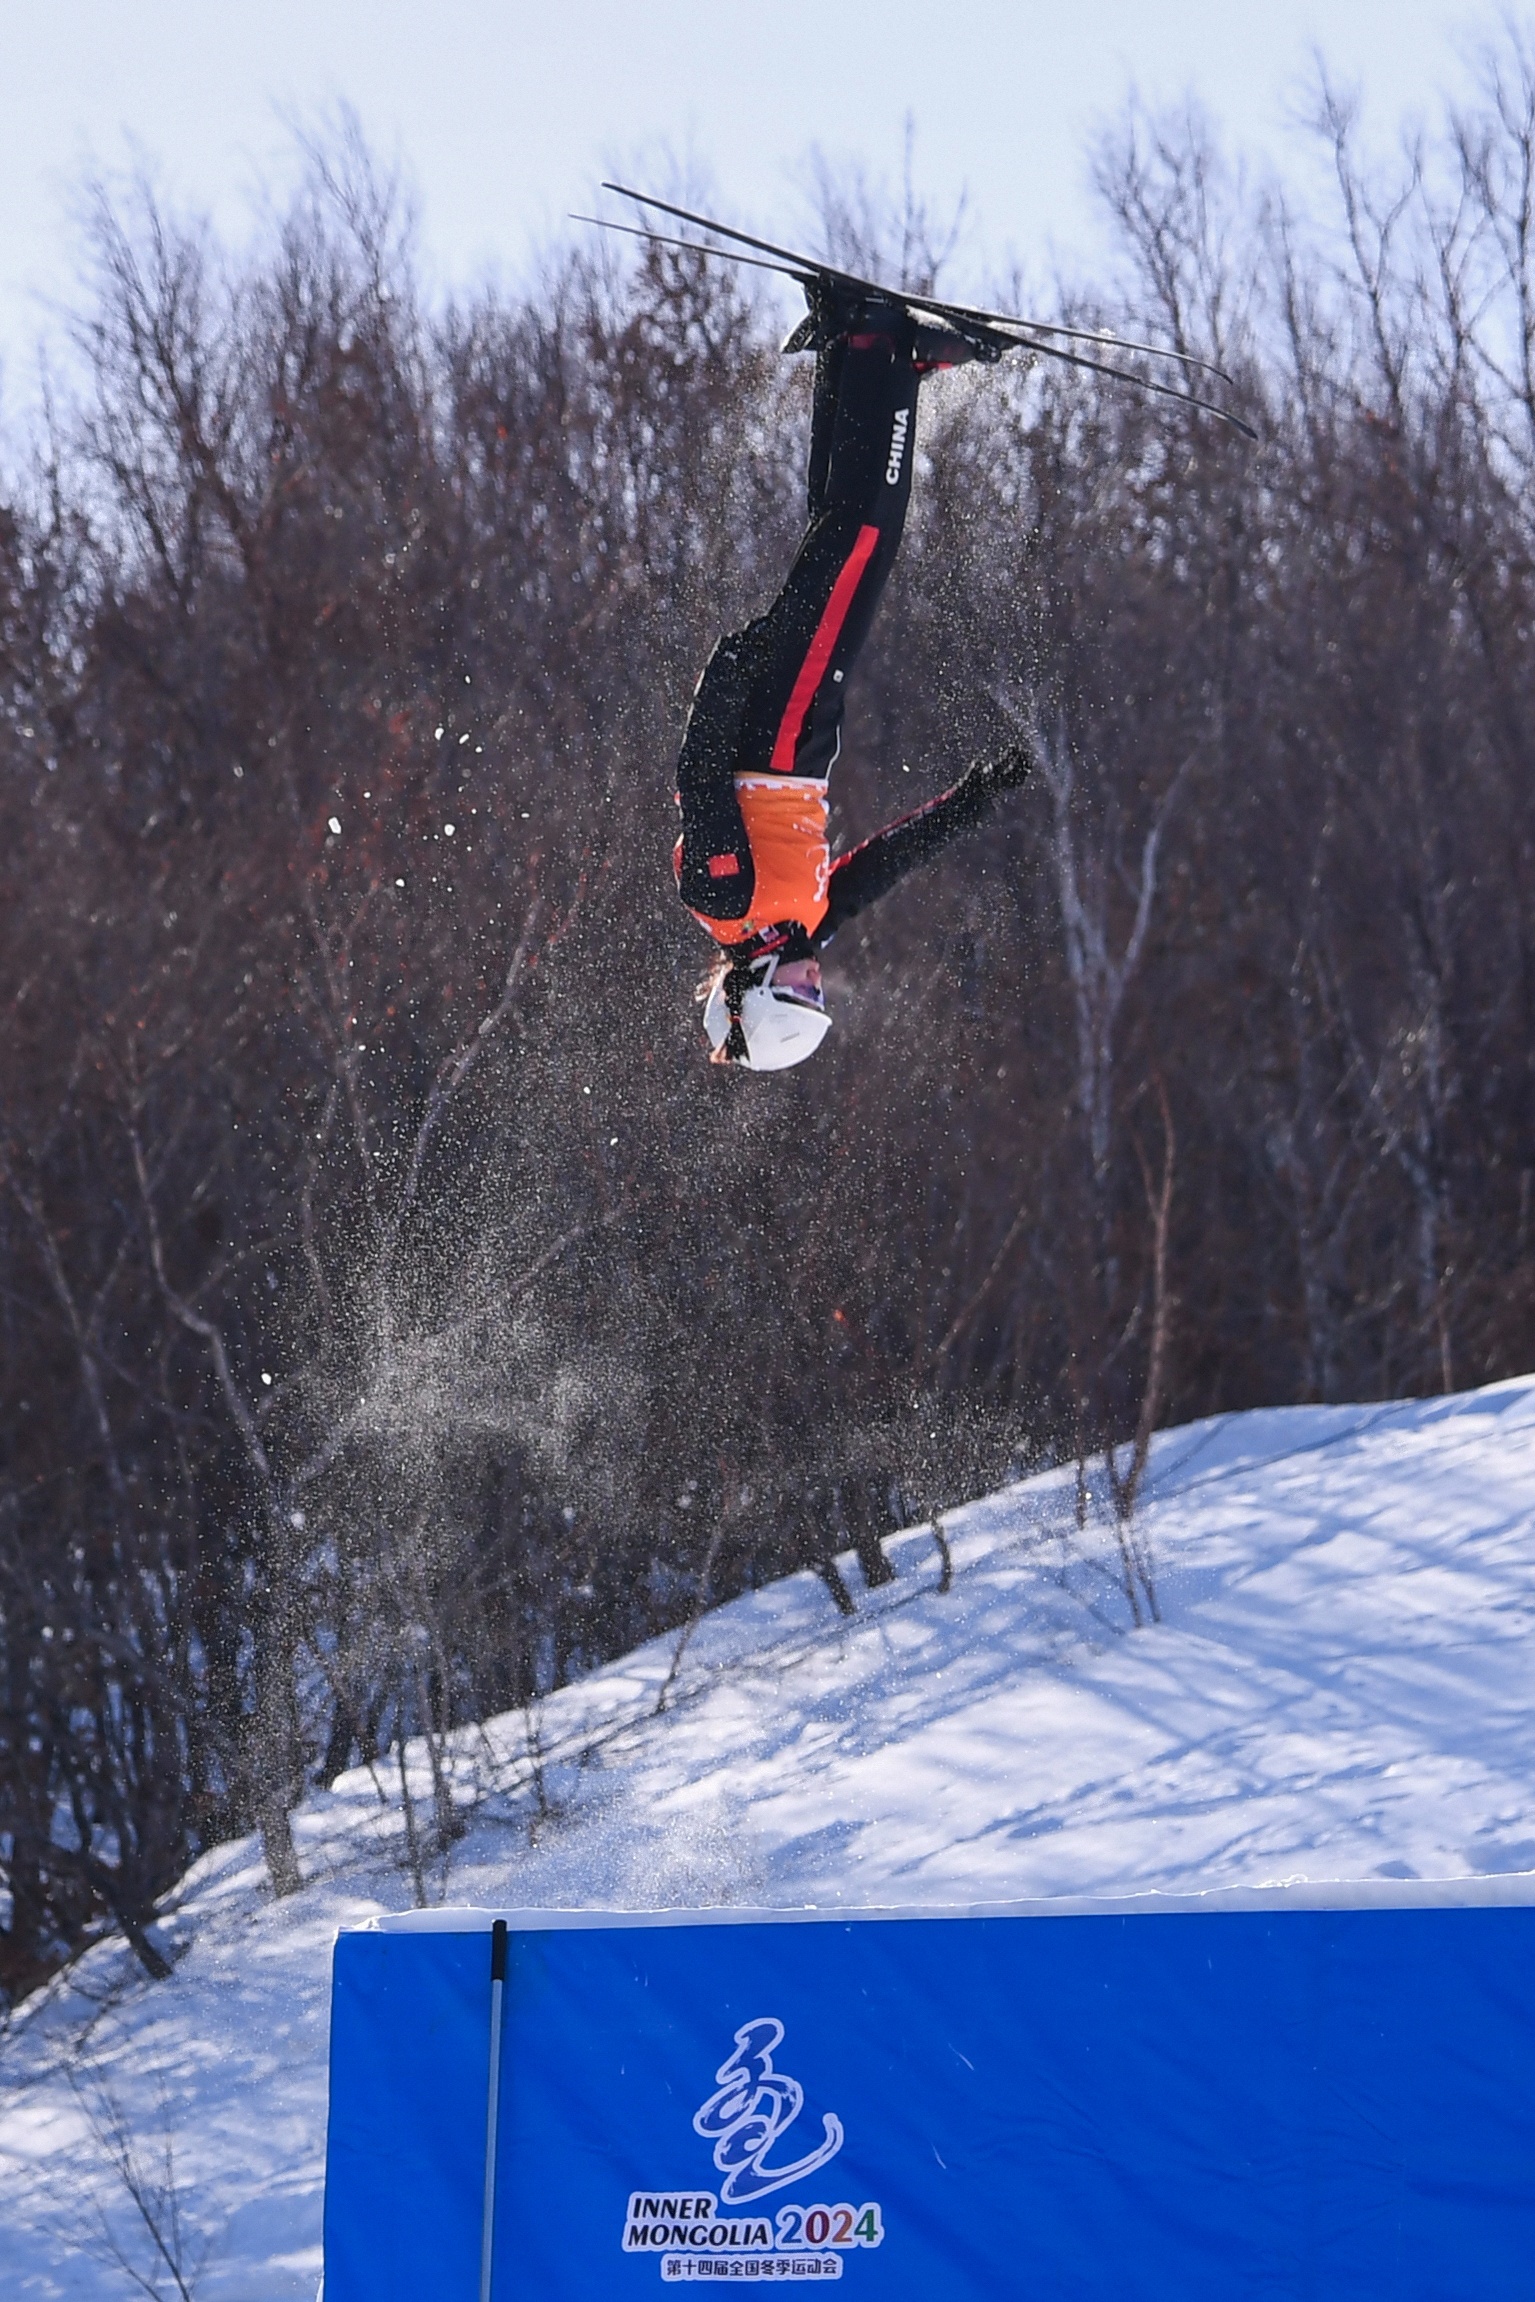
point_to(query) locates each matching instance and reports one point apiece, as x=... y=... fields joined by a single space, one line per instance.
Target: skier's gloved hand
x=1004 y=773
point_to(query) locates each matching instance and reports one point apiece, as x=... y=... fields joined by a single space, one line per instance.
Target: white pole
x=493 y=2105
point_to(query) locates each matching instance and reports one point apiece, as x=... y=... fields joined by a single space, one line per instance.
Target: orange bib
x=786 y=823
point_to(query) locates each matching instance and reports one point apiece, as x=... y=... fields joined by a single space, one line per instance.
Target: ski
x=810 y=266
x=693 y=247
x=1022 y=335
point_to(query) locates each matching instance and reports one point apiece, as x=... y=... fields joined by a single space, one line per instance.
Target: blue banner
x=1267 y=2102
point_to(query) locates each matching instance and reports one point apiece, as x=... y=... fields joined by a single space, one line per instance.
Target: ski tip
x=627 y=192
x=693 y=247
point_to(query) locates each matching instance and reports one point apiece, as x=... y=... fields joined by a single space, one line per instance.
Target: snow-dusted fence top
x=1316 y=2092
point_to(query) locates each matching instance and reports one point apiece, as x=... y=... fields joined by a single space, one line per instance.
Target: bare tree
x=171 y=2253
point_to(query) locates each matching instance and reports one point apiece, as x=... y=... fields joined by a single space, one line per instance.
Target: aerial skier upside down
x=754 y=864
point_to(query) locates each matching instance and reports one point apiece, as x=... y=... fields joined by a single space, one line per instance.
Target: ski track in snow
x=1340 y=1689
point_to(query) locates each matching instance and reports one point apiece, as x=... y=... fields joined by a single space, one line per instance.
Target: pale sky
x=505 y=113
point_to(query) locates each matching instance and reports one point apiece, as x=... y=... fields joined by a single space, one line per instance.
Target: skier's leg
x=770 y=697
x=713 y=859
x=823 y=423
x=801 y=651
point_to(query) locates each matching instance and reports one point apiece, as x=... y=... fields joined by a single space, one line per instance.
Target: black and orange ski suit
x=766 y=721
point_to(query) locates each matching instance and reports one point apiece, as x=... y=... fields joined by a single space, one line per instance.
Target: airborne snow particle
x=335 y=824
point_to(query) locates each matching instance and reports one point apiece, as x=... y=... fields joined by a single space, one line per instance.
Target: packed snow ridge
x=1339 y=1688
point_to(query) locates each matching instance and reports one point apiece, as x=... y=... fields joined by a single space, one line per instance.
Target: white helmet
x=750 y=1020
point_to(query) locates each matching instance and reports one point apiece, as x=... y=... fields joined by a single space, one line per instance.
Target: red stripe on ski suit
x=827 y=633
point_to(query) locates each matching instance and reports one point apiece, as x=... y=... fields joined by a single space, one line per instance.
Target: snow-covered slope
x=1340 y=1688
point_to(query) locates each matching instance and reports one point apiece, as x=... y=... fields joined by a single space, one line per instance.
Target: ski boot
x=831 y=311
x=834 y=310
x=952 y=347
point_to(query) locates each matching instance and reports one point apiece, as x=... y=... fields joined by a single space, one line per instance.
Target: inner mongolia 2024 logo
x=752 y=2106
x=726 y=2234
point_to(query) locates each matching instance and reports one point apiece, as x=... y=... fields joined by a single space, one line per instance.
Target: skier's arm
x=713 y=861
x=866 y=872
